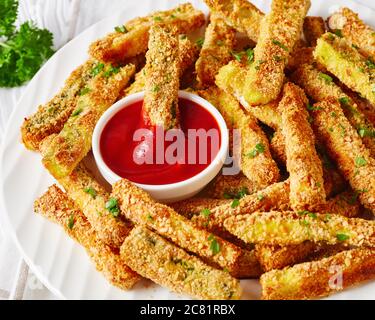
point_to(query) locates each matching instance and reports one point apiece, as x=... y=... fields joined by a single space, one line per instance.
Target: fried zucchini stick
x=360 y=35
x=188 y=53
x=168 y=265
x=313 y=29
x=346 y=148
x=280 y=30
x=239 y=14
x=319 y=278
x=194 y=206
x=256 y=160
x=277 y=146
x=289 y=228
x=300 y=56
x=320 y=86
x=303 y=164
x=133 y=37
x=230 y=187
x=272 y=197
x=59 y=208
x=72 y=144
x=140 y=208
x=347 y=64
x=50 y=117
x=160 y=105
x=268 y=114
x=216 y=51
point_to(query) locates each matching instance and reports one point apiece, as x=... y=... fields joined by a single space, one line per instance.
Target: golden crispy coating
x=188 y=53
x=277 y=257
x=140 y=208
x=277 y=146
x=344 y=204
x=194 y=206
x=288 y=228
x=279 y=32
x=319 y=278
x=320 y=87
x=219 y=40
x=303 y=164
x=239 y=14
x=166 y=264
x=59 y=208
x=256 y=160
x=160 y=105
x=50 y=117
x=91 y=198
x=346 y=148
x=72 y=144
x=300 y=56
x=363 y=105
x=132 y=38
x=359 y=34
x=275 y=196
x=347 y=64
x=313 y=29
x=230 y=186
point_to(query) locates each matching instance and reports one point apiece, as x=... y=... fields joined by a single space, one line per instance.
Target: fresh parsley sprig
x=22 y=51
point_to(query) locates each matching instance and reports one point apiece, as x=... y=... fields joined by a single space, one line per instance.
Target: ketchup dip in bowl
x=170 y=165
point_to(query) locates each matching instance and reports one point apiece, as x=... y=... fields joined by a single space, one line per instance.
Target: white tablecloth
x=66 y=19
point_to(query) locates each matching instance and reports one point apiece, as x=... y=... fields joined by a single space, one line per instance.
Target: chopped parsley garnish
x=121 y=29
x=310 y=107
x=308 y=213
x=259 y=148
x=366 y=132
x=97 y=69
x=250 y=55
x=91 y=192
x=237 y=56
x=344 y=101
x=84 y=91
x=260 y=197
x=338 y=33
x=370 y=64
x=360 y=162
x=277 y=58
x=325 y=77
x=111 y=71
x=244 y=191
x=112 y=206
x=278 y=43
x=214 y=245
x=342 y=236
x=199 y=42
x=173 y=16
x=150 y=218
x=155 y=88
x=235 y=203
x=71 y=222
x=206 y=212
x=158 y=19
x=77 y=112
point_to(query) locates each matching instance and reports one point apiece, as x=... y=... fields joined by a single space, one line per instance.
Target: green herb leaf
x=260 y=197
x=338 y=33
x=214 y=245
x=259 y=148
x=342 y=237
x=250 y=55
x=158 y=19
x=370 y=64
x=360 y=162
x=235 y=203
x=325 y=77
x=77 y=112
x=71 y=222
x=199 y=42
x=8 y=16
x=155 y=88
x=121 y=29
x=112 y=206
x=91 y=192
x=111 y=71
x=206 y=212
x=150 y=218
x=84 y=91
x=278 y=43
x=97 y=69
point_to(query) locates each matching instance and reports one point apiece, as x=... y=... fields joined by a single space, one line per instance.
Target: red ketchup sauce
x=117 y=145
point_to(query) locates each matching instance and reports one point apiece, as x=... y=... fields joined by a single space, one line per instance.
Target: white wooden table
x=65 y=19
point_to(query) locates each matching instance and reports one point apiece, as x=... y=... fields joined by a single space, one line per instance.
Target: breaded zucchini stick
x=320 y=86
x=188 y=53
x=272 y=197
x=256 y=160
x=230 y=187
x=241 y=15
x=140 y=208
x=359 y=34
x=92 y=199
x=313 y=29
x=59 y=208
x=344 y=204
x=194 y=206
x=317 y=279
x=160 y=106
x=50 y=117
x=133 y=37
x=303 y=164
x=345 y=146
x=347 y=64
x=168 y=265
x=277 y=257
x=289 y=228
x=279 y=32
x=300 y=56
x=267 y=113
x=218 y=44
x=72 y=144
x=277 y=146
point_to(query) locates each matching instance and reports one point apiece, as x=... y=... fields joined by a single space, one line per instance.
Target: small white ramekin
x=173 y=191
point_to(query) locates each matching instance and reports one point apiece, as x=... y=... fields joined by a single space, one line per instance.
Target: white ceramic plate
x=61 y=264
